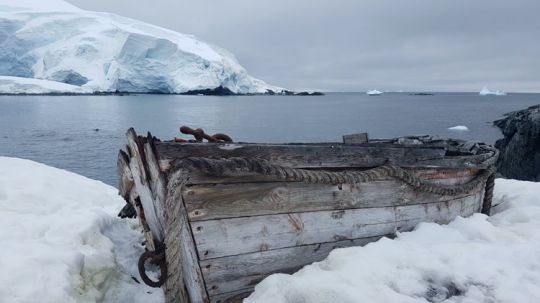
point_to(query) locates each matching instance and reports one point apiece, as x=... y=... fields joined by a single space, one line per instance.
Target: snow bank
x=17 y=85
x=101 y=52
x=477 y=259
x=459 y=128
x=61 y=241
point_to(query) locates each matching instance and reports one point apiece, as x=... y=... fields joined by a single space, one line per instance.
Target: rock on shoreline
x=520 y=147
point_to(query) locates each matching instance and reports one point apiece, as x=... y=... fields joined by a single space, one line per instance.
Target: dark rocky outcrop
x=421 y=94
x=309 y=94
x=218 y=91
x=520 y=147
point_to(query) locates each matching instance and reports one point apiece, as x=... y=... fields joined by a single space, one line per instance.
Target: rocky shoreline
x=520 y=148
x=218 y=91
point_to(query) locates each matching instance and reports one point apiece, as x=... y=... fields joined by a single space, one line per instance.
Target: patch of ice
x=459 y=128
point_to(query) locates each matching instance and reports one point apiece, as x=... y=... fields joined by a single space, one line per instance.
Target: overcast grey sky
x=354 y=45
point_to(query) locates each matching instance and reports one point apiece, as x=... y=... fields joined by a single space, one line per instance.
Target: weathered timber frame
x=226 y=226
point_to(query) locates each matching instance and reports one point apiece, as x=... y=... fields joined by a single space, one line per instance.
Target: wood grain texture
x=225 y=237
x=185 y=283
x=139 y=170
x=218 y=201
x=236 y=296
x=460 y=174
x=301 y=155
x=238 y=272
x=125 y=178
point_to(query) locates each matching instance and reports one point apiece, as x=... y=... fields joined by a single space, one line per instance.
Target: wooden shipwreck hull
x=220 y=217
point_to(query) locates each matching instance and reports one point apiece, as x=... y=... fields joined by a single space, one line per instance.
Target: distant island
x=421 y=94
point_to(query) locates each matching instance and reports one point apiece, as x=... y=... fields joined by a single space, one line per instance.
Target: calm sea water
x=83 y=133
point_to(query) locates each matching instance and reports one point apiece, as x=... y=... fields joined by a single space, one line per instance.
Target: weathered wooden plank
x=225 y=237
x=355 y=138
x=218 y=201
x=471 y=206
x=424 y=173
x=185 y=283
x=141 y=177
x=238 y=272
x=156 y=180
x=125 y=178
x=303 y=156
x=442 y=213
x=236 y=296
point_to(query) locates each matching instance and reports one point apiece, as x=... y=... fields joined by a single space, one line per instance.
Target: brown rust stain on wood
x=295 y=220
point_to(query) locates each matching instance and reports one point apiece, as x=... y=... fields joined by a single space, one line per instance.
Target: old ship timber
x=219 y=216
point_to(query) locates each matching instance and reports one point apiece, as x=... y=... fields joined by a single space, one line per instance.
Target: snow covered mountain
x=101 y=52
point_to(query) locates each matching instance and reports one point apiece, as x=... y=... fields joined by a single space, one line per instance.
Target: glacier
x=55 y=41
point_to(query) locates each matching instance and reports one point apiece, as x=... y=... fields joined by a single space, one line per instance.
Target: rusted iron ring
x=156 y=258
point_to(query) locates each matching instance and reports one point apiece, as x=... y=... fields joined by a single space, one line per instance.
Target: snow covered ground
x=101 y=52
x=476 y=259
x=61 y=239
x=61 y=242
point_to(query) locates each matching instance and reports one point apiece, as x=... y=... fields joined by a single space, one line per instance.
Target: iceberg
x=374 y=92
x=55 y=41
x=485 y=91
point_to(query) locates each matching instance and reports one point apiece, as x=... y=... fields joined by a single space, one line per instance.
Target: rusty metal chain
x=200 y=135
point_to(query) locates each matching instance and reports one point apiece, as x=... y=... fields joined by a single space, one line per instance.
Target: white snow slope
x=102 y=52
x=61 y=239
x=18 y=85
x=477 y=259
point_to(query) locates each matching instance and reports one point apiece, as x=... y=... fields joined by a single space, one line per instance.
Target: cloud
x=352 y=45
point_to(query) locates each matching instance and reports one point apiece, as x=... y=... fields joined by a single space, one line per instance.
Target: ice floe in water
x=461 y=128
